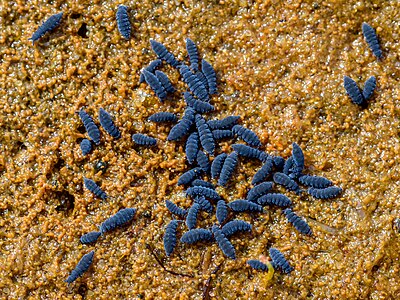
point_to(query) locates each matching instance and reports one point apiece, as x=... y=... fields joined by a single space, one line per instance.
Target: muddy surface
x=280 y=66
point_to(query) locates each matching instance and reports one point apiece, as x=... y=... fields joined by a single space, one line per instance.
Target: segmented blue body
x=94 y=188
x=326 y=193
x=143 y=140
x=246 y=135
x=107 y=123
x=287 y=182
x=223 y=243
x=225 y=123
x=161 y=51
x=91 y=128
x=191 y=49
x=199 y=182
x=187 y=177
x=123 y=23
x=244 y=205
x=204 y=204
x=198 y=105
x=48 y=25
x=298 y=159
x=183 y=127
x=257 y=265
x=81 y=267
x=274 y=199
x=353 y=91
x=203 y=79
x=369 y=87
x=192 y=147
x=234 y=226
x=86 y=147
x=90 y=237
x=279 y=261
x=220 y=134
x=318 y=182
x=249 y=152
x=279 y=161
x=175 y=209
x=153 y=65
x=228 y=168
x=209 y=73
x=120 y=218
x=155 y=85
x=165 y=82
x=163 y=116
x=205 y=134
x=297 y=222
x=259 y=190
x=170 y=239
x=222 y=211
x=196 y=235
x=203 y=191
x=372 y=39
x=191 y=218
x=264 y=172
x=203 y=161
x=195 y=85
x=217 y=164
x=287 y=167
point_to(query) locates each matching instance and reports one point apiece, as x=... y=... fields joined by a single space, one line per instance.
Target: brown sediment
x=280 y=66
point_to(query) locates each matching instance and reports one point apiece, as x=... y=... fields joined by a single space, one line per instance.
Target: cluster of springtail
x=119 y=219
x=201 y=143
x=122 y=17
x=356 y=95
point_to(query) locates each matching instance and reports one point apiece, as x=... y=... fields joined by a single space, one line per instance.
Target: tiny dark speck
x=66 y=201
x=100 y=166
x=146 y=214
x=82 y=31
x=75 y=16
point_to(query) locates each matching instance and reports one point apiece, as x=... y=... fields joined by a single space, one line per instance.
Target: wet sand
x=280 y=66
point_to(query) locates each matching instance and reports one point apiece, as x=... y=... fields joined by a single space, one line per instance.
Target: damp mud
x=280 y=66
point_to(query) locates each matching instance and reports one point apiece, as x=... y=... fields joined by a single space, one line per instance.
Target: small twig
x=162 y=265
x=207 y=286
